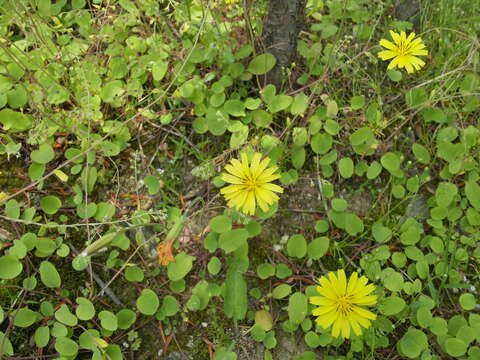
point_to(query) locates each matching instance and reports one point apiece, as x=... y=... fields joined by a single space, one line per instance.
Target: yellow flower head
x=340 y=303
x=251 y=184
x=404 y=51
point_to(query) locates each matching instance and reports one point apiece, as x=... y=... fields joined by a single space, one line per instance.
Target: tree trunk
x=284 y=21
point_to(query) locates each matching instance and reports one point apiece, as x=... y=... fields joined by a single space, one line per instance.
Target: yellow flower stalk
x=251 y=184
x=340 y=303
x=404 y=51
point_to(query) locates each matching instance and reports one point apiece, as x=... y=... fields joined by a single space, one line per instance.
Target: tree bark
x=284 y=21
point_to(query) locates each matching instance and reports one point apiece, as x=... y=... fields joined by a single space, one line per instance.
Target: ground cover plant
x=162 y=199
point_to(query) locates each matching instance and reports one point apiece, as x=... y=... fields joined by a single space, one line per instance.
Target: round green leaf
x=49 y=275
x=170 y=305
x=10 y=267
x=391 y=305
x=50 y=204
x=233 y=239
x=455 y=347
x=221 y=224
x=108 y=320
x=297 y=307
x=413 y=342
x=134 y=273
x=180 y=267
x=214 y=265
x=281 y=291
x=297 y=246
x=318 y=247
x=148 y=302
x=345 y=167
x=43 y=155
x=25 y=317
x=126 y=318
x=66 y=346
x=262 y=64
x=468 y=301
x=266 y=270
x=42 y=336
x=85 y=309
x=64 y=316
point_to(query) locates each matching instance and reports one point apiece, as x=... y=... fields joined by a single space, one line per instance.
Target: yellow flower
x=251 y=184
x=340 y=303
x=404 y=51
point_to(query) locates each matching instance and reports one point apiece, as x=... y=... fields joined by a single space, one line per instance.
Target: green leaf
x=223 y=353
x=346 y=166
x=392 y=280
x=357 y=102
x=321 y=143
x=265 y=271
x=297 y=246
x=42 y=336
x=235 y=303
x=126 y=318
x=214 y=265
x=264 y=319
x=221 y=224
x=159 y=69
x=281 y=291
x=64 y=315
x=300 y=104
x=455 y=347
x=234 y=107
x=381 y=233
x=394 y=75
x=391 y=305
x=297 y=307
x=25 y=317
x=180 y=267
x=43 y=155
x=279 y=103
x=318 y=247
x=108 y=320
x=390 y=161
x=421 y=153
x=262 y=64
x=413 y=343
x=468 y=301
x=472 y=191
x=14 y=121
x=298 y=157
x=12 y=209
x=170 y=305
x=353 y=224
x=85 y=211
x=10 y=267
x=134 y=273
x=50 y=204
x=49 y=275
x=148 y=302
x=66 y=346
x=233 y=239
x=85 y=309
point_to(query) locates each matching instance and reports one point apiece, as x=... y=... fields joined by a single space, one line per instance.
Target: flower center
x=344 y=304
x=251 y=184
x=404 y=48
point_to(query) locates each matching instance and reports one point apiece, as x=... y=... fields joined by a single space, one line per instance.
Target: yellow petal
x=321 y=300
x=263 y=177
x=234 y=170
x=249 y=205
x=388 y=45
x=396 y=38
x=326 y=320
x=393 y=63
x=231 y=189
x=262 y=166
x=342 y=282
x=322 y=310
x=364 y=313
x=255 y=163
x=266 y=196
x=386 y=54
x=272 y=187
x=231 y=179
x=365 y=300
x=352 y=282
